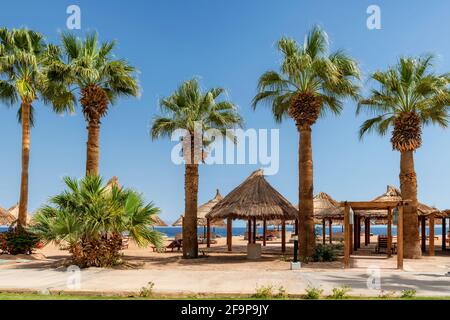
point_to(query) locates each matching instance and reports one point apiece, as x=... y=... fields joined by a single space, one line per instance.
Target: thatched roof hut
x=254 y=198
x=325 y=207
x=14 y=210
x=158 y=222
x=393 y=194
x=6 y=218
x=202 y=211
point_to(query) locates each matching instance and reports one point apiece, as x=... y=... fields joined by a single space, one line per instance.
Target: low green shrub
x=340 y=293
x=147 y=291
x=18 y=241
x=408 y=294
x=324 y=253
x=267 y=292
x=312 y=293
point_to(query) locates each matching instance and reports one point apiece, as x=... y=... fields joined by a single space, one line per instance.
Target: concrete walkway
x=172 y=282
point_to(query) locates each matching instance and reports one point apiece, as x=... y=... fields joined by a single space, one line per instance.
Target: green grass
x=33 y=296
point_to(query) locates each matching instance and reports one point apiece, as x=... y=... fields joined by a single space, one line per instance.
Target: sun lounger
x=125 y=242
x=382 y=245
x=175 y=244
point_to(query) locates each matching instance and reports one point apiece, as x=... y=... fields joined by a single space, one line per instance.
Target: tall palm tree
x=410 y=96
x=187 y=108
x=23 y=57
x=89 y=68
x=310 y=83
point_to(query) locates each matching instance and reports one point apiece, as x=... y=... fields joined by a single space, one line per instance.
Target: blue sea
x=238 y=231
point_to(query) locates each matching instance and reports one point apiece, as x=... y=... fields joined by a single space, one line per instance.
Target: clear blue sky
x=226 y=43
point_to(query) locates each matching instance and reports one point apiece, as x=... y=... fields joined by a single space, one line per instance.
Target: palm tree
x=410 y=96
x=311 y=82
x=91 y=219
x=89 y=68
x=23 y=57
x=188 y=108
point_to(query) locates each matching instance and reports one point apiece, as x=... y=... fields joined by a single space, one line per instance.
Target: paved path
x=174 y=281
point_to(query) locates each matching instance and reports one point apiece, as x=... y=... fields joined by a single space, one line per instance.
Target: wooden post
x=208 y=233
x=346 y=237
x=283 y=236
x=229 y=233
x=423 y=233
x=254 y=230
x=264 y=232
x=355 y=233
x=366 y=231
x=330 y=231
x=368 y=228
x=296 y=227
x=444 y=234
x=431 y=243
x=324 y=231
x=400 y=238
x=389 y=231
x=249 y=236
x=350 y=230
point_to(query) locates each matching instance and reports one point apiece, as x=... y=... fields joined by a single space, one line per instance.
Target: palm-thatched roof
x=6 y=218
x=325 y=207
x=202 y=211
x=158 y=222
x=254 y=198
x=14 y=210
x=393 y=194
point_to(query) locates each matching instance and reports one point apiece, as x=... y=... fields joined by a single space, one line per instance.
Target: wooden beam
x=229 y=233
x=431 y=243
x=368 y=205
x=423 y=233
x=296 y=227
x=254 y=230
x=324 y=231
x=283 y=236
x=208 y=233
x=249 y=235
x=350 y=237
x=264 y=232
x=444 y=234
x=366 y=230
x=330 y=231
x=389 y=231
x=355 y=233
x=400 y=239
x=346 y=237
x=368 y=233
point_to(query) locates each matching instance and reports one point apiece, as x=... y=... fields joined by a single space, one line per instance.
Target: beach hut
x=6 y=218
x=253 y=200
x=14 y=210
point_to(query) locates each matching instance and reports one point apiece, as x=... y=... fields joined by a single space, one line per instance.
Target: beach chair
x=382 y=244
x=125 y=242
x=175 y=244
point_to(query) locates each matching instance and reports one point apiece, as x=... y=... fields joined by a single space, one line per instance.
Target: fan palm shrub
x=410 y=95
x=91 y=219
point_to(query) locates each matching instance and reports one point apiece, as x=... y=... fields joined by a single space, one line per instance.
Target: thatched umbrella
x=202 y=211
x=6 y=218
x=158 y=222
x=327 y=209
x=14 y=210
x=254 y=199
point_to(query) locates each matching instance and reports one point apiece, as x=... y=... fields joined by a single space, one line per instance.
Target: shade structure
x=158 y=222
x=393 y=194
x=6 y=218
x=202 y=211
x=254 y=198
x=14 y=210
x=325 y=207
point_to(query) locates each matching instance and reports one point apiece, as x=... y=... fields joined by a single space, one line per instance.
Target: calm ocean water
x=237 y=231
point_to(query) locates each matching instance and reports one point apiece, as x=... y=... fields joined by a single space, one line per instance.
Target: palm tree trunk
x=408 y=186
x=92 y=154
x=306 y=206
x=23 y=202
x=190 y=242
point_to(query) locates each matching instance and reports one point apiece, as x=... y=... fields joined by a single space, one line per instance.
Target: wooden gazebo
x=253 y=200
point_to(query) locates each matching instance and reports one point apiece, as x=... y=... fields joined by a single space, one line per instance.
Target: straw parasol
x=158 y=222
x=14 y=210
x=393 y=194
x=6 y=218
x=325 y=207
x=202 y=211
x=254 y=198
